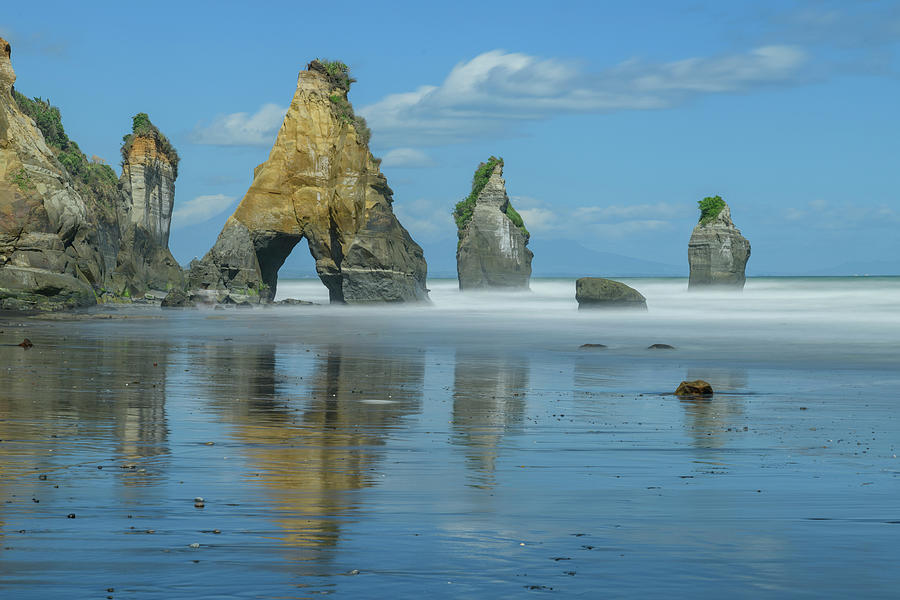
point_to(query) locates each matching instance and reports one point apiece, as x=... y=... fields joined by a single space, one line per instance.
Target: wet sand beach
x=465 y=449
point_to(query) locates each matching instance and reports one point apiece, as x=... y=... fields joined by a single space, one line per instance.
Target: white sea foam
x=780 y=318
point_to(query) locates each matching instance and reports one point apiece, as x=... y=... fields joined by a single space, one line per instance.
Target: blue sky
x=613 y=118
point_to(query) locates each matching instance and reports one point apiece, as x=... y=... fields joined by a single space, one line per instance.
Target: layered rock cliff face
x=60 y=238
x=321 y=183
x=148 y=182
x=717 y=252
x=146 y=200
x=492 y=250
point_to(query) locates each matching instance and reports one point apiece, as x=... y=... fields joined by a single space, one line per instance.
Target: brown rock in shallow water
x=26 y=343
x=698 y=387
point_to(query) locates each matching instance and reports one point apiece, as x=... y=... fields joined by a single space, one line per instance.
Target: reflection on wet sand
x=59 y=396
x=311 y=441
x=488 y=401
x=708 y=420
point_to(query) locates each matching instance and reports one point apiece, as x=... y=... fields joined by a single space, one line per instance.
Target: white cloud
x=242 y=129
x=539 y=219
x=487 y=94
x=200 y=209
x=820 y=214
x=406 y=157
x=635 y=211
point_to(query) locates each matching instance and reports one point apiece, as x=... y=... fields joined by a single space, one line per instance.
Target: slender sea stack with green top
x=492 y=250
x=717 y=252
x=65 y=238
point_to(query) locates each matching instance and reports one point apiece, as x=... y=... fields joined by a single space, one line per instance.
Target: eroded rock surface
x=597 y=292
x=320 y=183
x=62 y=244
x=718 y=253
x=492 y=251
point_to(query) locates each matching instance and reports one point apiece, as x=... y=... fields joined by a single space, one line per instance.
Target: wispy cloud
x=610 y=221
x=821 y=214
x=485 y=95
x=410 y=158
x=241 y=129
x=200 y=209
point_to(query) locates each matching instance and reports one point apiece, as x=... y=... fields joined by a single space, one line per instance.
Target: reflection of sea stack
x=717 y=252
x=321 y=183
x=492 y=250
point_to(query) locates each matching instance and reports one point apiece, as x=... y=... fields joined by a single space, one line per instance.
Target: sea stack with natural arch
x=717 y=252
x=321 y=183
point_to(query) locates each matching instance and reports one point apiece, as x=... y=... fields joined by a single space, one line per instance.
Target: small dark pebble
x=42 y=477
x=70 y=516
x=559 y=558
x=597 y=346
x=26 y=343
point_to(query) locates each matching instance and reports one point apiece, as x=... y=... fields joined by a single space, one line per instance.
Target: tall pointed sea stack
x=321 y=183
x=492 y=250
x=61 y=244
x=717 y=252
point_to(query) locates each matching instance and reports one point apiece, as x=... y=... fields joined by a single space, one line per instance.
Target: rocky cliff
x=492 y=250
x=60 y=237
x=320 y=183
x=717 y=252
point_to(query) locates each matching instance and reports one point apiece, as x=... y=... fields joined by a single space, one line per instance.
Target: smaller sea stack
x=492 y=250
x=717 y=252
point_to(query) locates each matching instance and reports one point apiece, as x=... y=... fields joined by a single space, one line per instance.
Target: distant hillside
x=565 y=258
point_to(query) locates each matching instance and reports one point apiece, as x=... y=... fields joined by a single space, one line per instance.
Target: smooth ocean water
x=465 y=449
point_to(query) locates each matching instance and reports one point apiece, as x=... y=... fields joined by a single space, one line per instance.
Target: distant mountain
x=565 y=258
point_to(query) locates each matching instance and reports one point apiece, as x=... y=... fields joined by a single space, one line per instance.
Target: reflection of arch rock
x=310 y=466
x=321 y=183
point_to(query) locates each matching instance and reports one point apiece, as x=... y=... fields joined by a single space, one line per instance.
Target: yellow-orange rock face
x=321 y=183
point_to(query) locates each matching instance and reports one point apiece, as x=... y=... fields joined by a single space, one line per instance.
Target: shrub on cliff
x=141 y=126
x=462 y=213
x=710 y=207
x=337 y=72
x=93 y=176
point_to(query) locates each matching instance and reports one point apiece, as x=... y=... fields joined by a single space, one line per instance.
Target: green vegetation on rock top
x=462 y=214
x=337 y=72
x=465 y=208
x=710 y=207
x=142 y=127
x=93 y=174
